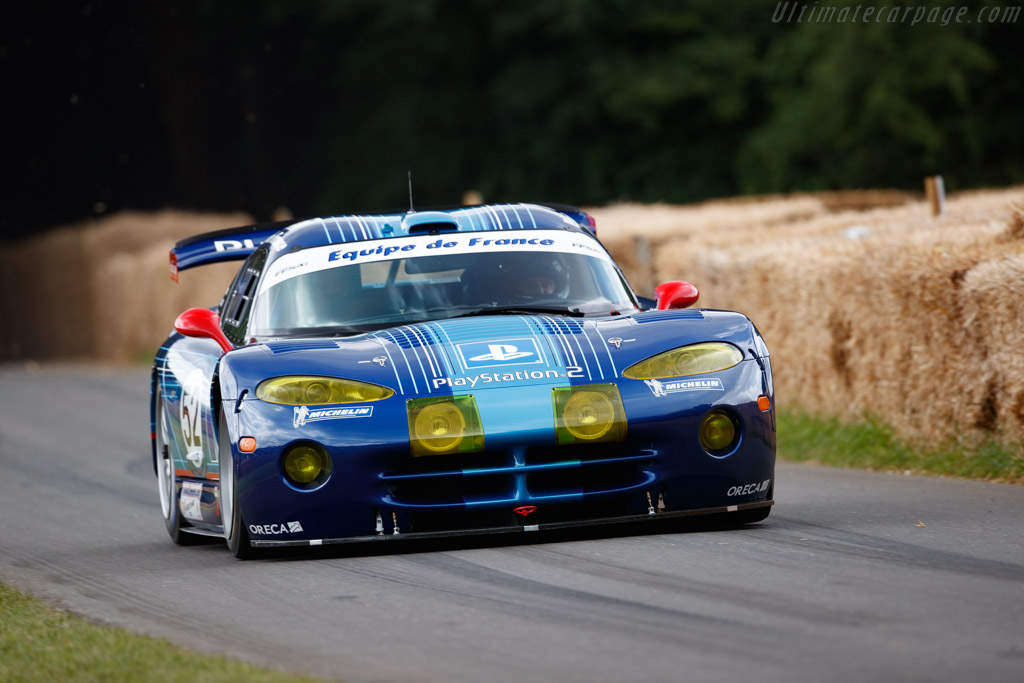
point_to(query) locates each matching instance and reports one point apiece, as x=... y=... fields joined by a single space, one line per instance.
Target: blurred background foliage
x=322 y=106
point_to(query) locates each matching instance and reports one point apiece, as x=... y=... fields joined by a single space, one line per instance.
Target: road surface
x=856 y=576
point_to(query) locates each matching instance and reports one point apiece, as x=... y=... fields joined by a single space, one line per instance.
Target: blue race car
x=476 y=370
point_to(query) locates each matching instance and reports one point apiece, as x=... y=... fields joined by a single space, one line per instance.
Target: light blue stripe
x=519 y=217
x=597 y=360
x=391 y=361
x=611 y=359
x=437 y=330
x=405 y=358
x=425 y=350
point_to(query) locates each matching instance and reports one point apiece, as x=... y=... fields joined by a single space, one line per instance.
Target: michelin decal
x=661 y=388
x=304 y=414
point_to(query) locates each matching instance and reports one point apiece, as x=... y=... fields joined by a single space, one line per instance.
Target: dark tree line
x=323 y=105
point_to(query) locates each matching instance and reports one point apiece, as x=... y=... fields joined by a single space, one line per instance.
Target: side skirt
x=196 y=531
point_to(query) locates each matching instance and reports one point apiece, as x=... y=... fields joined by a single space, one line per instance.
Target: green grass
x=868 y=443
x=38 y=643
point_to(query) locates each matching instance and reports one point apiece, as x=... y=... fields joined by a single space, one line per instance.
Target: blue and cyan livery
x=205 y=405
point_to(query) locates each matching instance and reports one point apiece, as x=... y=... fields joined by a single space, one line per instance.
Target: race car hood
x=487 y=352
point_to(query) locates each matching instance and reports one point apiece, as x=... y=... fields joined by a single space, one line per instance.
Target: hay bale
x=910 y=318
x=100 y=289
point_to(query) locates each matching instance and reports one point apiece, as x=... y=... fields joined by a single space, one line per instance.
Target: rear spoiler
x=233 y=244
x=577 y=214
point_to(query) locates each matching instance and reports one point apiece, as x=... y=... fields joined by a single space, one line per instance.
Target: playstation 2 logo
x=502 y=352
x=499 y=352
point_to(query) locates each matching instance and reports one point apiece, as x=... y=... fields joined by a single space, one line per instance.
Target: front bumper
x=376 y=484
x=396 y=534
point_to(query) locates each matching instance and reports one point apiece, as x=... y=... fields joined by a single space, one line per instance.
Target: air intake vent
x=300 y=345
x=429 y=223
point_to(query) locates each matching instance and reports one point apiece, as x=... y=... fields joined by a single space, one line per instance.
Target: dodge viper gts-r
x=475 y=370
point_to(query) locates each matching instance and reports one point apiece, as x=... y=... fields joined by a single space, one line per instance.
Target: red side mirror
x=202 y=322
x=676 y=294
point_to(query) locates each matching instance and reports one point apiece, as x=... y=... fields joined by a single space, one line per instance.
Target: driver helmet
x=539 y=276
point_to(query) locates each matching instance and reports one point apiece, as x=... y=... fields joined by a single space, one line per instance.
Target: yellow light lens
x=588 y=413
x=440 y=427
x=694 y=359
x=717 y=432
x=444 y=424
x=304 y=390
x=304 y=464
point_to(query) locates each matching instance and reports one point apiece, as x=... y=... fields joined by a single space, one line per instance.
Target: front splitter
x=525 y=528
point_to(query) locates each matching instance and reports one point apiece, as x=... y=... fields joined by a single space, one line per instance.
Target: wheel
x=167 y=483
x=235 y=532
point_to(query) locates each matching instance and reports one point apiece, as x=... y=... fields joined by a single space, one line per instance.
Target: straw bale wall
x=885 y=310
x=101 y=289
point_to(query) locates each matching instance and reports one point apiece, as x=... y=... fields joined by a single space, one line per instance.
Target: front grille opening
x=448 y=462
x=545 y=455
x=586 y=479
x=442 y=520
x=453 y=490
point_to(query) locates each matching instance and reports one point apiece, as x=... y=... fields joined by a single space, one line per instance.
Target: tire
x=235 y=532
x=167 y=484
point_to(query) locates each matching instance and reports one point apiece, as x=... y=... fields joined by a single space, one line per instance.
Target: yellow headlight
x=588 y=413
x=444 y=424
x=717 y=432
x=306 y=390
x=440 y=426
x=305 y=465
x=694 y=359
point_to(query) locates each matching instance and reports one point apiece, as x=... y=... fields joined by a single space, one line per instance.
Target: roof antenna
x=411 y=210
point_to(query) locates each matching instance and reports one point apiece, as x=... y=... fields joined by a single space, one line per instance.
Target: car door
x=187 y=374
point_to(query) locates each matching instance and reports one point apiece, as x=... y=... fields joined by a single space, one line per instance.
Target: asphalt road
x=856 y=576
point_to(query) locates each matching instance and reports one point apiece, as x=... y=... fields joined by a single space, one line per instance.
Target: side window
x=237 y=303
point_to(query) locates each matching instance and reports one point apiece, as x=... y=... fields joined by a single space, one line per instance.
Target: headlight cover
x=588 y=413
x=306 y=466
x=304 y=390
x=444 y=424
x=718 y=433
x=695 y=359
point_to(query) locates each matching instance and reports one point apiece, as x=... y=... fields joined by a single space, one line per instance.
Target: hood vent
x=284 y=346
x=658 y=316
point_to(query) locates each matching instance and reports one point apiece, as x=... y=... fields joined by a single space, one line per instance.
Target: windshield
x=350 y=288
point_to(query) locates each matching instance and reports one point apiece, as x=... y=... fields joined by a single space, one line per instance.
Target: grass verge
x=38 y=643
x=868 y=443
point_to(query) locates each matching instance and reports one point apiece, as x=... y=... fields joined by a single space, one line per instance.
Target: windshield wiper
x=520 y=310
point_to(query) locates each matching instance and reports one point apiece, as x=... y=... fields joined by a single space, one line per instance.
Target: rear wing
x=233 y=244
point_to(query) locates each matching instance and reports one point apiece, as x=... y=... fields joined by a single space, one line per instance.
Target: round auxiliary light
x=588 y=415
x=304 y=465
x=717 y=432
x=440 y=426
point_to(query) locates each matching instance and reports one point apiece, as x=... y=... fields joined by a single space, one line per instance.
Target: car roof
x=287 y=236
